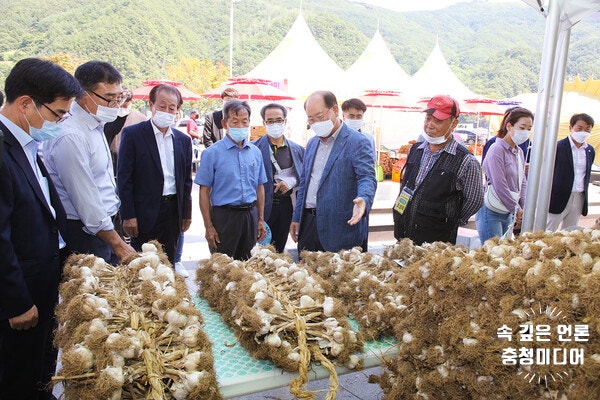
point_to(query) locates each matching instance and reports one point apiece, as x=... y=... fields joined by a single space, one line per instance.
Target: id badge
x=403 y=199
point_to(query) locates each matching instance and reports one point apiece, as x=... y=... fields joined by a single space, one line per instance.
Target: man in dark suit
x=213 y=125
x=337 y=184
x=282 y=159
x=32 y=227
x=572 y=170
x=154 y=175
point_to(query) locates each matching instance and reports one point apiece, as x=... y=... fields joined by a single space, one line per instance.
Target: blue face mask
x=238 y=134
x=49 y=130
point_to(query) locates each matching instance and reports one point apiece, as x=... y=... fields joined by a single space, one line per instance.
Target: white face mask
x=580 y=136
x=103 y=113
x=107 y=114
x=276 y=130
x=436 y=140
x=163 y=119
x=355 y=124
x=519 y=136
x=322 y=129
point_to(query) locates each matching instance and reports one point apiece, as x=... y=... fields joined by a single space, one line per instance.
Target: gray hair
x=234 y=107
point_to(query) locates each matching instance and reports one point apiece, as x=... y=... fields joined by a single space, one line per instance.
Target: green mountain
x=494 y=48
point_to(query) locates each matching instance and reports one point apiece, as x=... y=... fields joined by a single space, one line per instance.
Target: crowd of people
x=82 y=172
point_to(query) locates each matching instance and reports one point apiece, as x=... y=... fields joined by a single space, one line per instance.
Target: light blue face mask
x=49 y=130
x=238 y=134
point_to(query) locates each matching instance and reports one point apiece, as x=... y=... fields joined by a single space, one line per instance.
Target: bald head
x=326 y=97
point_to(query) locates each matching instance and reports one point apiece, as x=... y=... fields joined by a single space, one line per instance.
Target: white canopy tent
x=561 y=16
x=436 y=77
x=376 y=69
x=301 y=62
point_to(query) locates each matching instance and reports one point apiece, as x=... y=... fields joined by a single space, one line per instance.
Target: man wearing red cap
x=442 y=185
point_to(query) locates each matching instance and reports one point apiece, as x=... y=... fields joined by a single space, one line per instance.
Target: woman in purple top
x=504 y=168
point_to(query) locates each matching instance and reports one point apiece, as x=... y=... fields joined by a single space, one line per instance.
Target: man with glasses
x=337 y=183
x=282 y=159
x=80 y=164
x=33 y=232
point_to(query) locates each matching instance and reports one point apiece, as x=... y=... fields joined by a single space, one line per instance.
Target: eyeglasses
x=319 y=117
x=114 y=103
x=59 y=118
x=278 y=121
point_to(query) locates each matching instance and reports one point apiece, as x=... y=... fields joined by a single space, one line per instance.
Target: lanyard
x=274 y=161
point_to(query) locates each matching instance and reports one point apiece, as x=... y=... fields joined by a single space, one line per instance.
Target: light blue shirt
x=232 y=173
x=80 y=165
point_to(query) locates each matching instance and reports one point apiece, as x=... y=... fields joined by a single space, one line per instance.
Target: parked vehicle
x=470 y=137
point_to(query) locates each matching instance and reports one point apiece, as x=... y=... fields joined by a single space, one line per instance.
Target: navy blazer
x=348 y=174
x=564 y=175
x=140 y=177
x=297 y=158
x=30 y=260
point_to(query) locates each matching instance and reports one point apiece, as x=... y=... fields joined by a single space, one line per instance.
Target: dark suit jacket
x=140 y=177
x=213 y=128
x=297 y=158
x=348 y=174
x=30 y=261
x=564 y=175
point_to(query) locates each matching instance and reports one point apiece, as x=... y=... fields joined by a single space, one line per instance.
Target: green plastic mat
x=239 y=373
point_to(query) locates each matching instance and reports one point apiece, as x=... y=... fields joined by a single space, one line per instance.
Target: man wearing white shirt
x=572 y=171
x=154 y=175
x=80 y=164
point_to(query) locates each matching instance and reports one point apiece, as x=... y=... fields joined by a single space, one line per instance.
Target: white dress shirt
x=167 y=159
x=80 y=165
x=579 y=166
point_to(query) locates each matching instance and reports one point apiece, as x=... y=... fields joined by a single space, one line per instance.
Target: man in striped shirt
x=442 y=185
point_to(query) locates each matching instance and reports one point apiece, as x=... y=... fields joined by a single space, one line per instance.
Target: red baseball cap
x=442 y=107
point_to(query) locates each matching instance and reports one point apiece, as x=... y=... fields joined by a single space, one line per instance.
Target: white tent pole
x=547 y=172
x=537 y=156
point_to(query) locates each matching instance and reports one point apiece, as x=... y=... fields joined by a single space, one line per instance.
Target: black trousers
x=237 y=231
x=308 y=237
x=84 y=243
x=279 y=221
x=166 y=230
x=27 y=360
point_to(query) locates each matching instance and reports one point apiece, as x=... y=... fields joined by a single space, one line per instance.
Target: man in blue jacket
x=337 y=183
x=33 y=227
x=572 y=170
x=282 y=159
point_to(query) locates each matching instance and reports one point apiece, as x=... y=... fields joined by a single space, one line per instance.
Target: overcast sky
x=419 y=5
